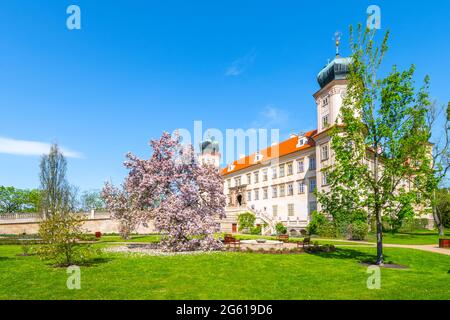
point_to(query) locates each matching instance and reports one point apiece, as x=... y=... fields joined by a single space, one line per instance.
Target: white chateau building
x=277 y=184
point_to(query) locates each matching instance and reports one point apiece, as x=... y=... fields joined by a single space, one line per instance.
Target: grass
x=336 y=275
x=416 y=237
x=134 y=238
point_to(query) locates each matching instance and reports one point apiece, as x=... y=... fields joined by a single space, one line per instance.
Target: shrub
x=60 y=234
x=317 y=219
x=357 y=230
x=280 y=228
x=98 y=234
x=26 y=248
x=327 y=230
x=246 y=221
x=316 y=248
x=256 y=230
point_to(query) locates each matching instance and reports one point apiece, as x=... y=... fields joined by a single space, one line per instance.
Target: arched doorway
x=239 y=199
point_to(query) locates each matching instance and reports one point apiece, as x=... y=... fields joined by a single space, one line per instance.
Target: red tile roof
x=284 y=148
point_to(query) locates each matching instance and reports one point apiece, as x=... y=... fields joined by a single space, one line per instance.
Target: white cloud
x=238 y=66
x=271 y=118
x=31 y=148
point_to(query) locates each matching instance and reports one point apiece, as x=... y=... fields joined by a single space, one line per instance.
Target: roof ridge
x=246 y=161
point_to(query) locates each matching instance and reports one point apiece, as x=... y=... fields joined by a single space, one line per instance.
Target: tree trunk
x=437 y=217
x=380 y=258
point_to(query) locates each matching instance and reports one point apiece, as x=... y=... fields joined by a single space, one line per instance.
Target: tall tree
x=440 y=162
x=380 y=145
x=58 y=194
x=181 y=196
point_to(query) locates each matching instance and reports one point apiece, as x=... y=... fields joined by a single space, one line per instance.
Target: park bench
x=230 y=240
x=306 y=242
x=283 y=237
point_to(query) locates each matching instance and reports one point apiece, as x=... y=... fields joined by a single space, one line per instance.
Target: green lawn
x=336 y=275
x=134 y=238
x=416 y=237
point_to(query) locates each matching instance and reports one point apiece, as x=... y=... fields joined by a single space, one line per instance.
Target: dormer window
x=258 y=157
x=302 y=141
x=231 y=167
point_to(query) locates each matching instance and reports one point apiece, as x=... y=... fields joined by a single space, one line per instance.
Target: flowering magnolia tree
x=181 y=196
x=120 y=205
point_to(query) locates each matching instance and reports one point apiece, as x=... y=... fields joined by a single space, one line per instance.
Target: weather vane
x=337 y=39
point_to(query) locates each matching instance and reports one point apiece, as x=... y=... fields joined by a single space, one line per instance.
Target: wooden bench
x=230 y=240
x=306 y=242
x=283 y=237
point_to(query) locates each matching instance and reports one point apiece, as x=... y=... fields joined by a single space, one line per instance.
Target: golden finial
x=337 y=39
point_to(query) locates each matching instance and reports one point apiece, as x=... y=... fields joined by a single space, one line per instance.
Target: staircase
x=266 y=219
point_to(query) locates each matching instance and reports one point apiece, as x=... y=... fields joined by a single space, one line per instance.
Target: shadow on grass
x=350 y=254
x=89 y=263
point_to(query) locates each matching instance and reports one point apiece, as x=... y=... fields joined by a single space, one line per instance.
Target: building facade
x=277 y=184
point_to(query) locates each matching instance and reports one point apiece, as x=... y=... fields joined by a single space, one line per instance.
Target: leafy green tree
x=92 y=200
x=380 y=142
x=19 y=200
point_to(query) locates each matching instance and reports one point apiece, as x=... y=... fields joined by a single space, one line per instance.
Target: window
x=258 y=157
x=301 y=142
x=291 y=212
x=324 y=152
x=249 y=178
x=301 y=187
x=274 y=192
x=312 y=206
x=312 y=163
x=256 y=195
x=282 y=190
x=312 y=185
x=290 y=189
x=300 y=166
x=237 y=181
x=256 y=176
x=265 y=175
x=325 y=122
x=274 y=211
x=229 y=183
x=290 y=169
x=281 y=170
x=249 y=196
x=274 y=173
x=325 y=101
x=265 y=193
x=324 y=178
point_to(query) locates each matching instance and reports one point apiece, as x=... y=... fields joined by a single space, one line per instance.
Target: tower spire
x=337 y=40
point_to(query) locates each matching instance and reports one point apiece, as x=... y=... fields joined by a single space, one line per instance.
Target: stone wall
x=94 y=222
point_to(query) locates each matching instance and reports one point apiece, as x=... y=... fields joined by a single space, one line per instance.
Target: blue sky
x=137 y=68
